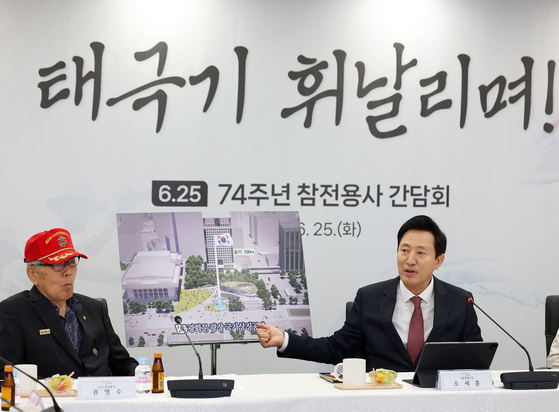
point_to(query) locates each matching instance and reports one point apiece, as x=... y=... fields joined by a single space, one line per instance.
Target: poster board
x=169 y=262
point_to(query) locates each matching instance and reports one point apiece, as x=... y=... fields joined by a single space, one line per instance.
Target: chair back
x=551 y=320
x=348 y=307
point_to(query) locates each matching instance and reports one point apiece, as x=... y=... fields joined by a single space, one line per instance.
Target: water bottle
x=17 y=388
x=143 y=376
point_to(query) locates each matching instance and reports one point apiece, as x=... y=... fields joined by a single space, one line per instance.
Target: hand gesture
x=270 y=336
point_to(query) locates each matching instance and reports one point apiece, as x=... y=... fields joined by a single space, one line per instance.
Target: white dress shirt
x=404 y=309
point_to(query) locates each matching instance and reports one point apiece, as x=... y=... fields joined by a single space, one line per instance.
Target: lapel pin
x=95 y=352
x=84 y=318
x=44 y=332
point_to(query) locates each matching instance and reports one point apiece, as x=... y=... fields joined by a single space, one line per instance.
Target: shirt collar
x=426 y=295
x=71 y=303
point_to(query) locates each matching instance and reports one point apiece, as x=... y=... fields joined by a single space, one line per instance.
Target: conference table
x=308 y=392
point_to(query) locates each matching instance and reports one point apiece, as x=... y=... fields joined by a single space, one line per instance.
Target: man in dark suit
x=381 y=323
x=50 y=326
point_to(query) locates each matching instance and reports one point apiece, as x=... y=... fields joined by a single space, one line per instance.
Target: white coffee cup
x=26 y=385
x=354 y=371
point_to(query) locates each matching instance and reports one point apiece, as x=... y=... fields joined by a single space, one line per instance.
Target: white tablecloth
x=308 y=392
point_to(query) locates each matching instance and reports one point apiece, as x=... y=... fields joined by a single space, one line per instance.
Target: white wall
x=62 y=169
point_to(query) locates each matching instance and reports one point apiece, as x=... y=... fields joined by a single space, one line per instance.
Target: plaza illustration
x=221 y=272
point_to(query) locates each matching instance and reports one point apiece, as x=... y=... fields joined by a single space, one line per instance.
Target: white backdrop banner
x=357 y=115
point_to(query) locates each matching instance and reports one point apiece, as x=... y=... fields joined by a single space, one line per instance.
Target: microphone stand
x=178 y=320
x=199 y=388
x=55 y=407
x=523 y=380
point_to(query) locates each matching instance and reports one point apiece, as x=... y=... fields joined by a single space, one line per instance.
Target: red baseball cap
x=54 y=246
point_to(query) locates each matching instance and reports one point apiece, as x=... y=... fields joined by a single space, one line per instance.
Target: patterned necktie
x=415 y=334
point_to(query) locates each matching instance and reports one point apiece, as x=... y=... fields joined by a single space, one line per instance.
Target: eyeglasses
x=59 y=267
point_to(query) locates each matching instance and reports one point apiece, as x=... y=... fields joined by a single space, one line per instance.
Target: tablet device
x=438 y=356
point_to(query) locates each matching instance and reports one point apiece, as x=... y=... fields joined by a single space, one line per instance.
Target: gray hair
x=36 y=263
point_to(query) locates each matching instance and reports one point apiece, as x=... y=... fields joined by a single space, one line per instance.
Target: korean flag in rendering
x=224 y=240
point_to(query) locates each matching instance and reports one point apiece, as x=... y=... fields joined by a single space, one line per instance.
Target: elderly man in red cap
x=51 y=326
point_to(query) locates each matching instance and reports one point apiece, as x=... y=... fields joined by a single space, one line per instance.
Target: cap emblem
x=62 y=241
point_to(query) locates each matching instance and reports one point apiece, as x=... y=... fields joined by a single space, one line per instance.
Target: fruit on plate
x=60 y=383
x=382 y=376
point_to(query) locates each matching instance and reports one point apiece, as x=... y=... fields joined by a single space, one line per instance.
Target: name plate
x=107 y=387
x=464 y=380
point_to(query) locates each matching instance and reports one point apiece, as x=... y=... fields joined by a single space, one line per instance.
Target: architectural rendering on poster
x=220 y=240
x=221 y=271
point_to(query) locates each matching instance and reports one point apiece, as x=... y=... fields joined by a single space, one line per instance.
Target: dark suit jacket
x=30 y=332
x=369 y=333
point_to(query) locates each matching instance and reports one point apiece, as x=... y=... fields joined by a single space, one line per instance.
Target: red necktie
x=415 y=334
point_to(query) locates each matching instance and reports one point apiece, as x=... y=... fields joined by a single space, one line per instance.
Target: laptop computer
x=438 y=356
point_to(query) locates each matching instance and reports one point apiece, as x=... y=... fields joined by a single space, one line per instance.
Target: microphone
x=178 y=320
x=522 y=380
x=54 y=407
x=470 y=299
x=200 y=388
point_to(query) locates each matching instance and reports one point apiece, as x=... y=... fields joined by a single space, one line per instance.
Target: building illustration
x=220 y=271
